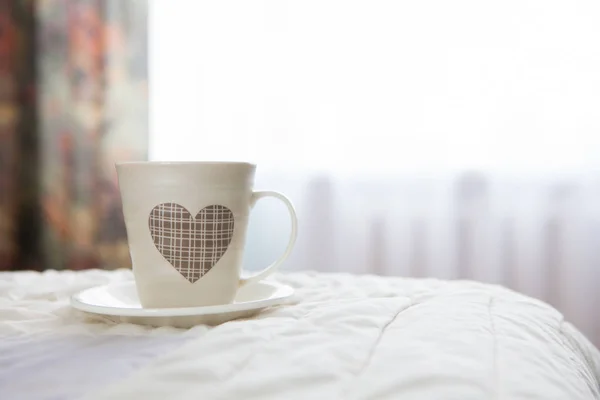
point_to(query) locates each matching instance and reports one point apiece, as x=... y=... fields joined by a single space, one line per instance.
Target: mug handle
x=294 y=220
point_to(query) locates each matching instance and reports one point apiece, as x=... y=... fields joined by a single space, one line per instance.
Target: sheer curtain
x=447 y=139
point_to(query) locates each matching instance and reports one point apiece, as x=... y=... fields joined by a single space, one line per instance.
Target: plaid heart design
x=191 y=245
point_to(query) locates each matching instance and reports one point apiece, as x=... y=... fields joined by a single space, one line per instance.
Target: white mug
x=186 y=227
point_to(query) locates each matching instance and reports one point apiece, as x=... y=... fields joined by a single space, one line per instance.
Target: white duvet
x=347 y=337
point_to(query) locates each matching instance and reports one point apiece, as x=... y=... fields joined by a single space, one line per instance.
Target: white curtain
x=430 y=138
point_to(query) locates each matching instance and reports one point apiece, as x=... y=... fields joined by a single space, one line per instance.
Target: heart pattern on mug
x=191 y=245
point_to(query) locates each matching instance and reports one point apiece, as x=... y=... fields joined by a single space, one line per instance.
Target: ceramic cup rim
x=185 y=163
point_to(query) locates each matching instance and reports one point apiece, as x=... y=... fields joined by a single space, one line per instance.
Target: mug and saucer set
x=186 y=227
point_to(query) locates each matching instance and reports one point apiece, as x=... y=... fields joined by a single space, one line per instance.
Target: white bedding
x=348 y=337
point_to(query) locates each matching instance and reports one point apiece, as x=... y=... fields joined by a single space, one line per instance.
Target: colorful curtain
x=73 y=101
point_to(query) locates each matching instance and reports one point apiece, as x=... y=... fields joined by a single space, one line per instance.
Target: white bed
x=346 y=337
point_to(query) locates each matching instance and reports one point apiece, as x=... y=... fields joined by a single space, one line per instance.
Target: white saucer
x=119 y=303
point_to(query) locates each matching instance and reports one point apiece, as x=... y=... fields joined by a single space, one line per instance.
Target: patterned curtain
x=73 y=101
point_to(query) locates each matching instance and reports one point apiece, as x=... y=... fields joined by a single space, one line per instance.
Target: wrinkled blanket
x=344 y=337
